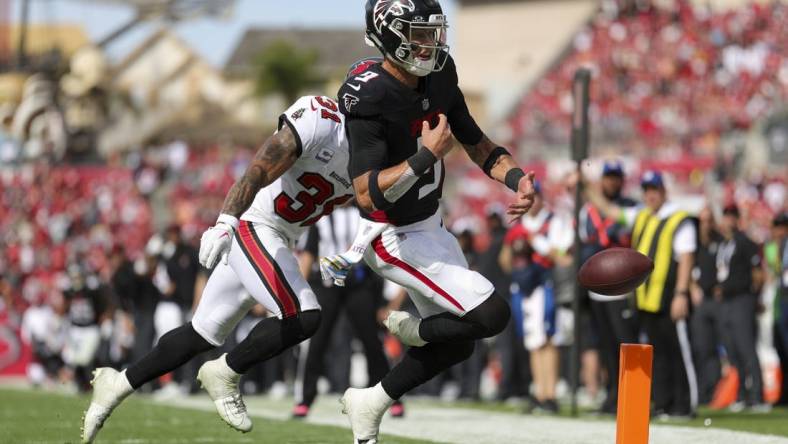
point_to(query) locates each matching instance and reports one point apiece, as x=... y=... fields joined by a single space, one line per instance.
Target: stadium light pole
x=21 y=50
x=579 y=142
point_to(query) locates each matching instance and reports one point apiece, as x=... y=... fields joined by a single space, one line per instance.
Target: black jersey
x=85 y=306
x=383 y=121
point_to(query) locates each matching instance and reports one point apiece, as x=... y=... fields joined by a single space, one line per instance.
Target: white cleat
x=365 y=409
x=406 y=327
x=221 y=383
x=110 y=388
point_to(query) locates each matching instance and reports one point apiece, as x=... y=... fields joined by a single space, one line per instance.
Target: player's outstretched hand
x=438 y=139
x=214 y=244
x=335 y=268
x=525 y=197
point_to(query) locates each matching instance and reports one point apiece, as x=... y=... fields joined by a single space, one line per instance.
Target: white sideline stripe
x=484 y=427
x=689 y=366
x=298 y=387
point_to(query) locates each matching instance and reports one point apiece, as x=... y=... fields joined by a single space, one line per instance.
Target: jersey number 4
x=318 y=191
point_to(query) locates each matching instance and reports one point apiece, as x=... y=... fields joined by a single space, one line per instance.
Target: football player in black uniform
x=400 y=118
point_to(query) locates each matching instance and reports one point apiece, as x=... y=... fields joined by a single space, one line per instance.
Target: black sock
x=270 y=337
x=421 y=364
x=484 y=321
x=172 y=351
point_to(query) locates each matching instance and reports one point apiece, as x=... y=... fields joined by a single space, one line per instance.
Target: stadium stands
x=51 y=217
x=673 y=80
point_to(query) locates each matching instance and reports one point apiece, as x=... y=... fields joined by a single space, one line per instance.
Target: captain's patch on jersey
x=350 y=101
x=325 y=155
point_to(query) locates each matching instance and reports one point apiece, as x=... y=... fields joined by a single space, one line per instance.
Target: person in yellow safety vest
x=668 y=235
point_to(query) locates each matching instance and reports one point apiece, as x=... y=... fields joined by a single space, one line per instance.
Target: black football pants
x=705 y=327
x=739 y=327
x=616 y=325
x=674 y=385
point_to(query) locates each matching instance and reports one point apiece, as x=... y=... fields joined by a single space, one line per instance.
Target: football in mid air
x=615 y=271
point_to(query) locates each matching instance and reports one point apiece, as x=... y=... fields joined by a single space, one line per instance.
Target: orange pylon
x=634 y=394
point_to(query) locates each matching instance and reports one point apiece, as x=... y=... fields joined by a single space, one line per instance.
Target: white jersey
x=318 y=181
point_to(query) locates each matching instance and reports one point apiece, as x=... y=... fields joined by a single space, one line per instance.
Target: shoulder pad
x=362 y=96
x=313 y=119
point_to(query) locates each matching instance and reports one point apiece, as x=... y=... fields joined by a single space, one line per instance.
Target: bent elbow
x=365 y=202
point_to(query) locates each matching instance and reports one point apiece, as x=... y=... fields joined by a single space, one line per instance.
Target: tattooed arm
x=480 y=152
x=276 y=156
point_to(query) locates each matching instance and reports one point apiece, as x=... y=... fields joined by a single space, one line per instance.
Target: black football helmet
x=411 y=33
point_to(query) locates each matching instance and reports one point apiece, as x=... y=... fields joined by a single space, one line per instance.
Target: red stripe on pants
x=377 y=244
x=276 y=282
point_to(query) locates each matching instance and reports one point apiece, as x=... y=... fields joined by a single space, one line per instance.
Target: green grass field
x=28 y=416
x=40 y=417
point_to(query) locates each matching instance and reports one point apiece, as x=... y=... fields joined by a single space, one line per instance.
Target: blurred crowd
x=666 y=75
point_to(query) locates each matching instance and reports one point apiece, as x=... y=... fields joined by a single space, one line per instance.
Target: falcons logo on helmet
x=394 y=7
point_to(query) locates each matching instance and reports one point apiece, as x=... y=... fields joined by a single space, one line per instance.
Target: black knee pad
x=493 y=314
x=304 y=325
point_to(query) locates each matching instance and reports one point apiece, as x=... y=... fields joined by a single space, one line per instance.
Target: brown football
x=615 y=271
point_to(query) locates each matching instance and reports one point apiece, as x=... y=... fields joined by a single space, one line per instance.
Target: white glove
x=338 y=266
x=216 y=242
x=335 y=268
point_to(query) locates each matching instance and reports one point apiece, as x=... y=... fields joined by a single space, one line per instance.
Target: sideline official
x=739 y=276
x=668 y=235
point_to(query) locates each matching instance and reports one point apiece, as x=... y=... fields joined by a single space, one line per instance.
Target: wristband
x=422 y=161
x=492 y=158
x=513 y=177
x=229 y=220
x=401 y=186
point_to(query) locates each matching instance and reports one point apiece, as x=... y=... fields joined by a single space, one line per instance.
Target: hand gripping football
x=615 y=271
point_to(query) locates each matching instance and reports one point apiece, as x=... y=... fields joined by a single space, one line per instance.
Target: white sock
x=226 y=368
x=127 y=388
x=380 y=397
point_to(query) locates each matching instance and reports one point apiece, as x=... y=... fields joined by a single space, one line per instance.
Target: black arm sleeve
x=367 y=145
x=462 y=124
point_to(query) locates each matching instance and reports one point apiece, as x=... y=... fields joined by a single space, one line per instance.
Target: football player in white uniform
x=297 y=176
